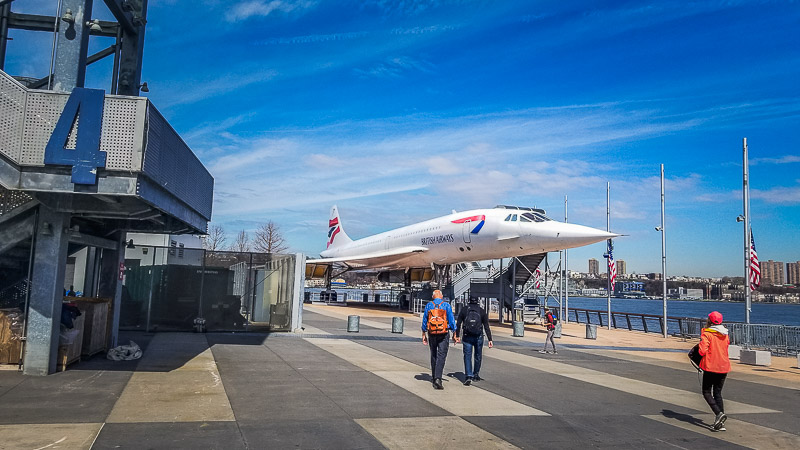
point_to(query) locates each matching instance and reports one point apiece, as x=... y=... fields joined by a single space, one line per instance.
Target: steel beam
x=36 y=22
x=125 y=11
x=72 y=47
x=47 y=292
x=130 y=66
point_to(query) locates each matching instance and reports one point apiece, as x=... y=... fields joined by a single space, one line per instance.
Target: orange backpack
x=437 y=319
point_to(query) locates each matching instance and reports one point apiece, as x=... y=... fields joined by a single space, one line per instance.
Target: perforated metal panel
x=27 y=119
x=12 y=108
x=10 y=200
x=42 y=111
x=123 y=131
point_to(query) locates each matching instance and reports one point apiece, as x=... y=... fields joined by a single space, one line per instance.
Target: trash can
x=557 y=331
x=352 y=324
x=397 y=325
x=591 y=331
x=519 y=328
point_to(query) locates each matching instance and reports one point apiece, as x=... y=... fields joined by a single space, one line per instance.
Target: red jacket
x=714 y=348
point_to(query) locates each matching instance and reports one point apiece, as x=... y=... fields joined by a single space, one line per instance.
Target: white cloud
x=788 y=159
x=261 y=8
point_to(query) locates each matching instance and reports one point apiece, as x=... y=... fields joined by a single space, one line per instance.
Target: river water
x=770 y=313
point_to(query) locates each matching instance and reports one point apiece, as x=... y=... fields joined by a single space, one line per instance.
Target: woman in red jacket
x=716 y=365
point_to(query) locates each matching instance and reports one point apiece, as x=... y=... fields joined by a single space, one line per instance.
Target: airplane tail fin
x=336 y=235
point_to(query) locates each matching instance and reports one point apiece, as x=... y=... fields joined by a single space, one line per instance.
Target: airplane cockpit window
x=536 y=217
x=507 y=218
x=524 y=218
x=513 y=217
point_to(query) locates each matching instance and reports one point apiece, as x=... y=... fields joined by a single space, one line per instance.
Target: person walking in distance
x=437 y=323
x=716 y=365
x=475 y=321
x=550 y=324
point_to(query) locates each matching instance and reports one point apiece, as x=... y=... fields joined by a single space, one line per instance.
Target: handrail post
x=600 y=318
x=628 y=318
x=644 y=323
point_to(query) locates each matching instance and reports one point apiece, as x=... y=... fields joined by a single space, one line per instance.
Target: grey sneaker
x=468 y=381
x=543 y=351
x=719 y=421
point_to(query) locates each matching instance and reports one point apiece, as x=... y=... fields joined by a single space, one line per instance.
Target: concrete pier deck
x=327 y=388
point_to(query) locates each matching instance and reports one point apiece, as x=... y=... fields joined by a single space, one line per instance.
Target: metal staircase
x=508 y=281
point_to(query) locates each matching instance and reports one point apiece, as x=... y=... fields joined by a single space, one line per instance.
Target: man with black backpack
x=475 y=322
x=437 y=323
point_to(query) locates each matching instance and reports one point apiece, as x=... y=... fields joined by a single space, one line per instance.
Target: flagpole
x=663 y=253
x=609 y=249
x=746 y=201
x=566 y=271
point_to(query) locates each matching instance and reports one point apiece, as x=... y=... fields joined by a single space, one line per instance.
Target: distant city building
x=685 y=294
x=621 y=268
x=793 y=272
x=629 y=289
x=594 y=266
x=654 y=276
x=772 y=272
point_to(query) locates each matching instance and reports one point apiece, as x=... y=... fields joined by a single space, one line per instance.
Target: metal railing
x=778 y=339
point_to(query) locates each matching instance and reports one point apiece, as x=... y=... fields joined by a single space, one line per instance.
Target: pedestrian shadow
x=460 y=376
x=424 y=377
x=686 y=418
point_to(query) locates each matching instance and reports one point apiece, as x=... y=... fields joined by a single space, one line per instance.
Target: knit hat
x=715 y=317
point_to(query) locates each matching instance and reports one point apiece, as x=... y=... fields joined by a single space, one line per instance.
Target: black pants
x=439 y=344
x=712 y=390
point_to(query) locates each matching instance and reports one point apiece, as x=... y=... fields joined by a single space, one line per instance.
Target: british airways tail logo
x=333 y=230
x=480 y=220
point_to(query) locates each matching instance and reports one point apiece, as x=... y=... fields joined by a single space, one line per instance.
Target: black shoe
x=477 y=378
x=719 y=421
x=468 y=381
x=437 y=384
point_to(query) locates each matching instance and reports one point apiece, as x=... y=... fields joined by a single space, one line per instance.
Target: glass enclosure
x=182 y=289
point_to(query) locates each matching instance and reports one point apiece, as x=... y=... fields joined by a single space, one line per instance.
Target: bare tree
x=215 y=239
x=269 y=239
x=242 y=243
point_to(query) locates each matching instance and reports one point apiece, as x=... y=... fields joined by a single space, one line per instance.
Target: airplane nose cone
x=578 y=235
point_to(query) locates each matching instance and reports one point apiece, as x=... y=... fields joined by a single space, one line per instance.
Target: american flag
x=537 y=276
x=755 y=267
x=612 y=267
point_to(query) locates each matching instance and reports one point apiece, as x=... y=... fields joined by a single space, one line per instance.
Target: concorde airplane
x=476 y=235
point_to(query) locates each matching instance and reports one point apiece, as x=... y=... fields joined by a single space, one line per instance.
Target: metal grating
x=169 y=162
x=12 y=109
x=10 y=200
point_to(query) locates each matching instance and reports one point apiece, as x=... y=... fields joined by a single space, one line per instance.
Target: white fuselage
x=453 y=238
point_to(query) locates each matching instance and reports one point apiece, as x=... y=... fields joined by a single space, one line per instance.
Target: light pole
x=663 y=254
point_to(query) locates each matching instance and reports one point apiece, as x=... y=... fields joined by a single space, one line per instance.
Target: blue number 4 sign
x=86 y=158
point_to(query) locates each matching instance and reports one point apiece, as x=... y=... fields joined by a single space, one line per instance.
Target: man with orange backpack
x=437 y=324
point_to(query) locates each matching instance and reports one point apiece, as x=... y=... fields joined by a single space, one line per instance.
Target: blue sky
x=399 y=111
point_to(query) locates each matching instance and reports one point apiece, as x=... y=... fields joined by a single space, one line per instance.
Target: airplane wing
x=381 y=259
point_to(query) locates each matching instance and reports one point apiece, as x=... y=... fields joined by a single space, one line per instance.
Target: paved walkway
x=326 y=388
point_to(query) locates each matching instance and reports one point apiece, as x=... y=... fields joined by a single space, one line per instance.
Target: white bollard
x=756 y=357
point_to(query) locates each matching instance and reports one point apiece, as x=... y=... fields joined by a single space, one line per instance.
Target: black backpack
x=473 y=324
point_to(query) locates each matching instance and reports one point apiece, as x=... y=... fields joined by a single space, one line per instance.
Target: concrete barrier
x=756 y=357
x=591 y=331
x=557 y=331
x=397 y=325
x=352 y=324
x=518 y=328
x=734 y=351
